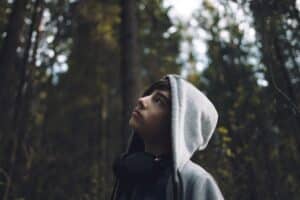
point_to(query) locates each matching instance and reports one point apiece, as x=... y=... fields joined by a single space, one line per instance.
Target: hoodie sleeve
x=206 y=189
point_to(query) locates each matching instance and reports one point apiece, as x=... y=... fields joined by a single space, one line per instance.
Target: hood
x=193 y=121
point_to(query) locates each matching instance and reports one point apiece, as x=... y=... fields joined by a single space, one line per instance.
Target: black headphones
x=140 y=167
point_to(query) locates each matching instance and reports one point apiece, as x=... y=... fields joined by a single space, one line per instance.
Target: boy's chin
x=132 y=123
x=135 y=126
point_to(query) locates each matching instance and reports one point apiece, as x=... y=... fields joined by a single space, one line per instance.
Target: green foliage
x=72 y=133
x=158 y=41
x=253 y=145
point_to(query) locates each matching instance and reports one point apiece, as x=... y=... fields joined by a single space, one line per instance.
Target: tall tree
x=130 y=72
x=159 y=41
x=72 y=118
x=8 y=58
x=256 y=139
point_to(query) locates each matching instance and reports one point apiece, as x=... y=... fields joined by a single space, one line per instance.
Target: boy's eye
x=158 y=100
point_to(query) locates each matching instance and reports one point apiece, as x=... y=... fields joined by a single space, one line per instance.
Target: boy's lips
x=137 y=113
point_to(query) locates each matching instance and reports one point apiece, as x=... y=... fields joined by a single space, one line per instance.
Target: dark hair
x=161 y=84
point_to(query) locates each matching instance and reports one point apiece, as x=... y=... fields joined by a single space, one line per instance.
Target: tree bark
x=21 y=108
x=8 y=55
x=129 y=64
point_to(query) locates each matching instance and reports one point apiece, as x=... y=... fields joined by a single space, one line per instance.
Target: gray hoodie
x=193 y=121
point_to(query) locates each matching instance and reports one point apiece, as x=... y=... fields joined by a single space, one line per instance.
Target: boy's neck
x=157 y=149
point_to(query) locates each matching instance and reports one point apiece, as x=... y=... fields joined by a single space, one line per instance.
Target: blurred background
x=71 y=70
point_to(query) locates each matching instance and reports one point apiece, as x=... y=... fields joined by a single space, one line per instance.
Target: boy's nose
x=141 y=102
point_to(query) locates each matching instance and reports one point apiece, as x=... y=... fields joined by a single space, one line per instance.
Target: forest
x=71 y=71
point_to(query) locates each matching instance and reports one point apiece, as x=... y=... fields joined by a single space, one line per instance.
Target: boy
x=171 y=121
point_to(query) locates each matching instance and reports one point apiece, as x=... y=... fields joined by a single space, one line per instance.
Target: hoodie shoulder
x=193 y=171
x=198 y=184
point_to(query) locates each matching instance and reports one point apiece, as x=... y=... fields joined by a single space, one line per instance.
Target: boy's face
x=151 y=117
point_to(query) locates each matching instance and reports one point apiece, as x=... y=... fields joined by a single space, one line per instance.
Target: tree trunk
x=21 y=110
x=129 y=64
x=8 y=57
